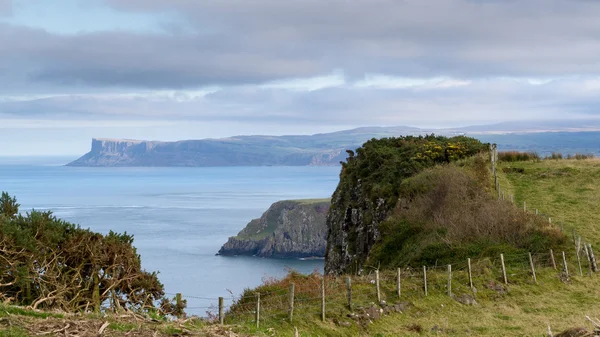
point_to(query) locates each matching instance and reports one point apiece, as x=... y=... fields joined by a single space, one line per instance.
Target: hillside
x=568 y=191
x=524 y=306
x=288 y=229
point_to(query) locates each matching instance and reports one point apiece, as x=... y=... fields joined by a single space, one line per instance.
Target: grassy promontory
x=444 y=215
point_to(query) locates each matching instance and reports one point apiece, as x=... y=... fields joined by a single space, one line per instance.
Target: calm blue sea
x=179 y=217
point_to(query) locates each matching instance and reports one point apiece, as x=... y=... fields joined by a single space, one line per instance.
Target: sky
x=71 y=70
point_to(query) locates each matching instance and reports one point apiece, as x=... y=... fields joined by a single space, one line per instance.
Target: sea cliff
x=288 y=229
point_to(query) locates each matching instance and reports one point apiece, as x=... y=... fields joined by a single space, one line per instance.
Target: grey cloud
x=482 y=101
x=5 y=8
x=237 y=41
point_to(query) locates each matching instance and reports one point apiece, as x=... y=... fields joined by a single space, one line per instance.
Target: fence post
x=257 y=314
x=377 y=286
x=592 y=258
x=178 y=302
x=552 y=259
x=450 y=280
x=503 y=269
x=577 y=250
x=425 y=279
x=398 y=284
x=221 y=316
x=537 y=212
x=524 y=206
x=532 y=268
x=566 y=268
x=291 y=300
x=470 y=274
x=587 y=257
x=323 y=299
x=349 y=292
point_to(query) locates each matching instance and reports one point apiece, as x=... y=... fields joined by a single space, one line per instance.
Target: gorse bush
x=49 y=263
x=381 y=164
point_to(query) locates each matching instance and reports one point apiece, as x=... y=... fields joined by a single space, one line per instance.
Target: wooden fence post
x=323 y=299
x=178 y=302
x=398 y=284
x=565 y=267
x=503 y=269
x=349 y=292
x=377 y=286
x=532 y=268
x=537 y=212
x=552 y=259
x=221 y=315
x=587 y=257
x=425 y=279
x=592 y=258
x=577 y=250
x=450 y=280
x=291 y=301
x=524 y=206
x=470 y=274
x=257 y=314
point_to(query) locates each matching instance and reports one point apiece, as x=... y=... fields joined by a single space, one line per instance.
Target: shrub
x=46 y=262
x=514 y=156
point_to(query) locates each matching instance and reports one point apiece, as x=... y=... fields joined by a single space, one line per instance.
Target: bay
x=179 y=217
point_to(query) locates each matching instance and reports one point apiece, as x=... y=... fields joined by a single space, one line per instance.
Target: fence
x=317 y=297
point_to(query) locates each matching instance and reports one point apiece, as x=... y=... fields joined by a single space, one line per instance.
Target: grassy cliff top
x=258 y=229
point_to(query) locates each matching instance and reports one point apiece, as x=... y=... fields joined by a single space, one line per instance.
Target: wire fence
x=317 y=296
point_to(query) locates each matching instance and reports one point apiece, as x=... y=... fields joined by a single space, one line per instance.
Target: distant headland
x=317 y=150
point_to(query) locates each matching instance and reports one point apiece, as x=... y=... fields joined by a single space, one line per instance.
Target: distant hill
x=318 y=149
x=329 y=148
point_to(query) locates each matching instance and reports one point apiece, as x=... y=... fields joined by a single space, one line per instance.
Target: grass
x=23 y=322
x=11 y=310
x=525 y=310
x=568 y=191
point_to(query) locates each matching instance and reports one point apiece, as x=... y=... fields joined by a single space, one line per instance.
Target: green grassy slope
x=568 y=191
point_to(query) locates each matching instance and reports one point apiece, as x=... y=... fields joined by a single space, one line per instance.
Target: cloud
x=5 y=8
x=438 y=103
x=235 y=42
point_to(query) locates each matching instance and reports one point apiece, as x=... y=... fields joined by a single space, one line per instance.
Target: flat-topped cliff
x=318 y=149
x=288 y=229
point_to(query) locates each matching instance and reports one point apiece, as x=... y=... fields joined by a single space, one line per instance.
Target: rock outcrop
x=369 y=189
x=288 y=229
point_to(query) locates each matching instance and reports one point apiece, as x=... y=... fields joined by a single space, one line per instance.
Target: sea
x=179 y=217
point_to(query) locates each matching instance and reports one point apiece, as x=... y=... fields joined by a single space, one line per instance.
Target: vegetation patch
x=48 y=263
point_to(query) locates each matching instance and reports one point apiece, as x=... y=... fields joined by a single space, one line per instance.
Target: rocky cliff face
x=352 y=227
x=288 y=229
